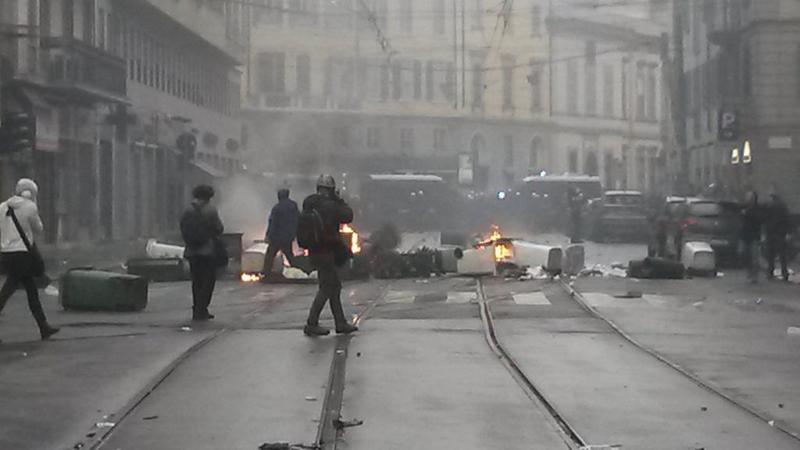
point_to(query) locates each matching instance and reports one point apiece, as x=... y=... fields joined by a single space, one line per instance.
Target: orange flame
x=502 y=247
x=250 y=278
x=355 y=242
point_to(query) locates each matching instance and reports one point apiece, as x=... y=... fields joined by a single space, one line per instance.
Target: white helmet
x=326 y=181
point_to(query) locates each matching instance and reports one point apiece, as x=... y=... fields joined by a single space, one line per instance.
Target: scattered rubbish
x=150 y=418
x=771 y=423
x=704 y=408
x=721 y=274
x=186 y=328
x=602 y=270
x=537 y=273
x=51 y=291
x=104 y=425
x=759 y=301
x=293 y=273
x=423 y=281
x=793 y=331
x=311 y=398
x=342 y=424
x=618 y=265
x=697 y=304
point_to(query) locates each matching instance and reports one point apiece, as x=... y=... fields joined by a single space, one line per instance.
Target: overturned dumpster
x=94 y=290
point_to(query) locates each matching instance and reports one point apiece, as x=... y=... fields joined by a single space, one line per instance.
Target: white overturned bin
x=253 y=259
x=699 y=258
x=478 y=261
x=156 y=250
x=536 y=255
x=574 y=259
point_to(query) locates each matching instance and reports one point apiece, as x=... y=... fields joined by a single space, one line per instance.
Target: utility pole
x=679 y=94
x=455 y=54
x=463 y=54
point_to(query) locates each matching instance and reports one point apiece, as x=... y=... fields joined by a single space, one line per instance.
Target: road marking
x=461 y=297
x=532 y=299
x=404 y=297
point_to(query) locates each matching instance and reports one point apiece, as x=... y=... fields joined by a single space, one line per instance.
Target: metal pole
x=463 y=55
x=455 y=54
x=679 y=95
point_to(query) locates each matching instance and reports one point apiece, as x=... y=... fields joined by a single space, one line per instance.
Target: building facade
x=742 y=62
x=434 y=86
x=112 y=84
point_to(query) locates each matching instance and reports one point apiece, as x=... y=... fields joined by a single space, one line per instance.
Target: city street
x=452 y=363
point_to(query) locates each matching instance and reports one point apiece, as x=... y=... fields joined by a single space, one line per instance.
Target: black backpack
x=310 y=229
x=194 y=228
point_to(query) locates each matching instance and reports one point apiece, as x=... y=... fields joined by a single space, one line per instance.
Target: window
x=535 y=82
x=608 y=90
x=573 y=162
x=572 y=87
x=536 y=20
x=533 y=157
x=439 y=139
x=406 y=139
x=448 y=87
x=342 y=137
x=477 y=18
x=651 y=91
x=625 y=88
x=405 y=17
x=591 y=89
x=747 y=71
x=640 y=92
x=417 y=80
x=384 y=82
x=303 y=74
x=508 y=83
x=397 y=80
x=373 y=137
x=430 y=73
x=591 y=53
x=88 y=22
x=508 y=141
x=271 y=70
x=102 y=29
x=477 y=86
x=438 y=16
x=271 y=13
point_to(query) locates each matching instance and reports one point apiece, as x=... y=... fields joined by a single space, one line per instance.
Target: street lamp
x=747 y=157
x=735 y=156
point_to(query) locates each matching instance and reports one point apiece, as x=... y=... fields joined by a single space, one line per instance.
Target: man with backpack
x=201 y=228
x=318 y=232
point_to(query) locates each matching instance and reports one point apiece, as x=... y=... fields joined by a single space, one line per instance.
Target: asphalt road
x=419 y=373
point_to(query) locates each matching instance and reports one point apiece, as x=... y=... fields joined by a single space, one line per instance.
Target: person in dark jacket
x=281 y=231
x=777 y=228
x=14 y=254
x=201 y=227
x=751 y=234
x=328 y=256
x=576 y=203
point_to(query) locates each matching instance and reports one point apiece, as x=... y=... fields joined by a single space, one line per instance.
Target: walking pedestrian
x=575 y=202
x=777 y=228
x=751 y=235
x=318 y=231
x=281 y=231
x=19 y=223
x=201 y=228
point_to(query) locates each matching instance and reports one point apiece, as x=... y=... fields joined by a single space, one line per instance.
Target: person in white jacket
x=14 y=255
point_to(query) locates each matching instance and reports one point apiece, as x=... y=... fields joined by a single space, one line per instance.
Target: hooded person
x=15 y=256
x=281 y=231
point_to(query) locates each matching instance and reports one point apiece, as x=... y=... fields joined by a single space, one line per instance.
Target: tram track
x=569 y=434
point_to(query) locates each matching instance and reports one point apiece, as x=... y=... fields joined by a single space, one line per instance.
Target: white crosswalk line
x=461 y=297
x=531 y=299
x=400 y=297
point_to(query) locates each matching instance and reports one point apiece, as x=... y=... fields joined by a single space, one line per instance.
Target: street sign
x=728 y=125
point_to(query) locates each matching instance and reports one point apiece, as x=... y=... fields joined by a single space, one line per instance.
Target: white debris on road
x=603 y=270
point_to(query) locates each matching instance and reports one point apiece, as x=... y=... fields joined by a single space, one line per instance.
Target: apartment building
x=112 y=85
x=742 y=61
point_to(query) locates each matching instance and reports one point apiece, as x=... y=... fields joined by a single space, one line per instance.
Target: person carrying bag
x=21 y=259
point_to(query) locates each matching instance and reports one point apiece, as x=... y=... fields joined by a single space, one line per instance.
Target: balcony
x=84 y=72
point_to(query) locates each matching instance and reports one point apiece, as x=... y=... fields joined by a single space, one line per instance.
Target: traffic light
x=18 y=132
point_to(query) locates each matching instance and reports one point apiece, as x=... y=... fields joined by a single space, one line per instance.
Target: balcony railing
x=85 y=70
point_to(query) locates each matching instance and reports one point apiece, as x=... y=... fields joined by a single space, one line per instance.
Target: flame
x=503 y=250
x=355 y=242
x=251 y=278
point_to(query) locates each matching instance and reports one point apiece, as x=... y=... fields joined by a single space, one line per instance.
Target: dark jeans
x=17 y=266
x=750 y=254
x=777 y=247
x=330 y=289
x=272 y=251
x=204 y=278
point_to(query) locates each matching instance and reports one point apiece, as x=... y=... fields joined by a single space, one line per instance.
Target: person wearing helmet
x=281 y=231
x=327 y=257
x=15 y=253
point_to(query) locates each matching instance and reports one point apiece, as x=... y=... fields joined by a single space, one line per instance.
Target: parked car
x=715 y=222
x=618 y=215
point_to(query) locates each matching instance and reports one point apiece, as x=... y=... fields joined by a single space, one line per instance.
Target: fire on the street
x=251 y=277
x=355 y=241
x=503 y=250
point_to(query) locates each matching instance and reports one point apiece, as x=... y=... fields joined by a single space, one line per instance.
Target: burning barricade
x=510 y=256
